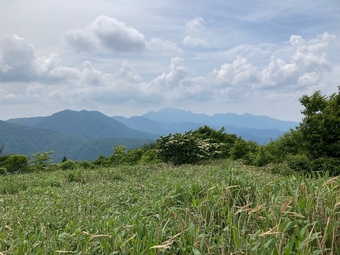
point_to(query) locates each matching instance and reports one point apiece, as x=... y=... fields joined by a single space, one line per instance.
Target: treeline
x=314 y=146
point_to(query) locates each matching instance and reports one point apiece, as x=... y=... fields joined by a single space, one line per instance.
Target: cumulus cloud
x=17 y=59
x=194 y=29
x=308 y=63
x=19 y=62
x=44 y=78
x=164 y=46
x=108 y=33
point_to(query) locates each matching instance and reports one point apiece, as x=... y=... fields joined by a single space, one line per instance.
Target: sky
x=129 y=57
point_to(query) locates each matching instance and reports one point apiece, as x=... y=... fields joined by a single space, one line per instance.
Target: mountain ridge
x=21 y=139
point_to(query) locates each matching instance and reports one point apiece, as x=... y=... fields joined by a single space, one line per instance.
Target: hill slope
x=26 y=140
x=89 y=124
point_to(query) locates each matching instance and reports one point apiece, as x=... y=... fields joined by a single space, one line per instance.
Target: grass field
x=220 y=208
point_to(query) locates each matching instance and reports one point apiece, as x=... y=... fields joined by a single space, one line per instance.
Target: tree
x=118 y=154
x=16 y=163
x=219 y=137
x=320 y=127
x=42 y=161
x=185 y=148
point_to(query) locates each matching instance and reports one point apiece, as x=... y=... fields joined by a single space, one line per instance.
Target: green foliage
x=64 y=159
x=262 y=157
x=289 y=143
x=68 y=164
x=117 y=157
x=320 y=127
x=86 y=165
x=16 y=163
x=298 y=162
x=245 y=150
x=326 y=164
x=101 y=161
x=42 y=161
x=149 y=157
x=185 y=148
x=225 y=140
x=3 y=171
x=132 y=157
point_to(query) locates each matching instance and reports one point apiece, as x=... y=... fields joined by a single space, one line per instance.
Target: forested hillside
x=25 y=140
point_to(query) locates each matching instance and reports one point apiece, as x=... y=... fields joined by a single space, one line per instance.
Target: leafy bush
x=132 y=157
x=68 y=164
x=320 y=125
x=101 y=161
x=225 y=140
x=16 y=163
x=86 y=165
x=263 y=157
x=118 y=154
x=3 y=171
x=149 y=157
x=42 y=161
x=299 y=162
x=185 y=148
x=331 y=165
x=245 y=150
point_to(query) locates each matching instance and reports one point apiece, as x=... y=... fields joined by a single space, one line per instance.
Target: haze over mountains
x=85 y=135
x=172 y=120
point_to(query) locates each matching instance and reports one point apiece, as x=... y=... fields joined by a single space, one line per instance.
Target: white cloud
x=17 y=59
x=308 y=63
x=164 y=46
x=45 y=79
x=194 y=30
x=108 y=33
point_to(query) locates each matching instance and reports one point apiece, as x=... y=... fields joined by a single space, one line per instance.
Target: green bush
x=3 y=171
x=42 y=161
x=299 y=162
x=16 y=163
x=68 y=165
x=262 y=157
x=244 y=150
x=86 y=165
x=185 y=148
x=331 y=165
x=101 y=161
x=149 y=157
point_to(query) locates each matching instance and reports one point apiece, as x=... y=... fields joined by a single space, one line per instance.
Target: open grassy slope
x=221 y=208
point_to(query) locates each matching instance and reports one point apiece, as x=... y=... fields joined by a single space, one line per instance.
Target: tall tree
x=320 y=127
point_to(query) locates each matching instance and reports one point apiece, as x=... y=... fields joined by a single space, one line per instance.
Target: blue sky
x=129 y=57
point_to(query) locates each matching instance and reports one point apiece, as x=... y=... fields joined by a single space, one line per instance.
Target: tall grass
x=221 y=208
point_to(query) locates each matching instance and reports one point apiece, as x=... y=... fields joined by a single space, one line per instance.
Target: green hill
x=26 y=140
x=89 y=124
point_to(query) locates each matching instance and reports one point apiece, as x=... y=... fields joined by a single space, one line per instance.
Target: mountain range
x=171 y=120
x=84 y=135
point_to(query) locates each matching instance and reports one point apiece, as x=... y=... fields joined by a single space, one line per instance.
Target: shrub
x=117 y=157
x=263 y=157
x=3 y=171
x=299 y=162
x=86 y=165
x=69 y=164
x=42 y=161
x=149 y=157
x=16 y=163
x=101 y=161
x=185 y=148
x=331 y=165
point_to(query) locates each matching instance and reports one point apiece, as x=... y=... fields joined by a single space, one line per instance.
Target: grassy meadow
x=219 y=208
